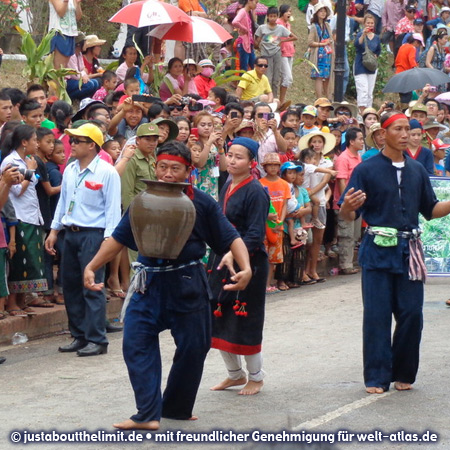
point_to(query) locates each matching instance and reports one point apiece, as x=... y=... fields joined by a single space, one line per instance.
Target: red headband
x=392 y=119
x=179 y=159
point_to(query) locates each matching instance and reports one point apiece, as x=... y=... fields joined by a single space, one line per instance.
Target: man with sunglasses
x=89 y=210
x=255 y=85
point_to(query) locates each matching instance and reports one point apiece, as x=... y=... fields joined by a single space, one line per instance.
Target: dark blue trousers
x=148 y=315
x=86 y=309
x=389 y=359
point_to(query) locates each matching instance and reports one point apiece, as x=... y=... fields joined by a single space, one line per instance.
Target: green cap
x=147 y=129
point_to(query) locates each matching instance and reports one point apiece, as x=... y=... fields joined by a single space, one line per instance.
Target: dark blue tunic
x=387 y=290
x=247 y=209
x=179 y=301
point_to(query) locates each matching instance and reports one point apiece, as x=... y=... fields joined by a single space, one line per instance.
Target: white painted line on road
x=341 y=411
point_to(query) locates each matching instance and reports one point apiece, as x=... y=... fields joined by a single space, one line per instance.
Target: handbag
x=369 y=59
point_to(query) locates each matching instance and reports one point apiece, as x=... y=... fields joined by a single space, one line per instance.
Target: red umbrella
x=198 y=30
x=149 y=12
x=231 y=9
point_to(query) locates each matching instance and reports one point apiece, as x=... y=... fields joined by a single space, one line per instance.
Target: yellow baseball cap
x=88 y=130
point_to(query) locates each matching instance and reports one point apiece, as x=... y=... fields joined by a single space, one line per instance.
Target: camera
x=195 y=106
x=27 y=173
x=185 y=100
x=233 y=115
x=390 y=105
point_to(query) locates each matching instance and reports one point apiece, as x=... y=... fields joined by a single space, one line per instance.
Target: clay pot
x=162 y=218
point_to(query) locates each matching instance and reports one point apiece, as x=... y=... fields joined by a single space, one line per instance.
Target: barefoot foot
x=132 y=425
x=193 y=418
x=402 y=386
x=228 y=382
x=374 y=390
x=252 y=388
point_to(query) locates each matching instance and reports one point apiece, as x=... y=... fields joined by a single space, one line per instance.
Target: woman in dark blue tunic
x=239 y=317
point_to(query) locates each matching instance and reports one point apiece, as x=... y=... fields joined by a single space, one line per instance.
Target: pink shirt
x=287 y=48
x=105 y=156
x=243 y=22
x=344 y=164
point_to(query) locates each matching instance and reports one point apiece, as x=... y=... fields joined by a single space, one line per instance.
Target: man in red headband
x=174 y=295
x=391 y=256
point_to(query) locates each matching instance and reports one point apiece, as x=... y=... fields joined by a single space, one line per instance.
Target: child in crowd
x=291 y=119
x=279 y=192
x=44 y=190
x=109 y=83
x=196 y=152
x=291 y=141
x=54 y=159
x=309 y=159
x=309 y=115
x=246 y=129
x=31 y=112
x=112 y=147
x=439 y=148
x=218 y=95
x=268 y=38
x=296 y=227
x=131 y=87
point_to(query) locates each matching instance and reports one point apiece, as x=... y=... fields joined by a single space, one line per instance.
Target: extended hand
x=89 y=280
x=353 y=200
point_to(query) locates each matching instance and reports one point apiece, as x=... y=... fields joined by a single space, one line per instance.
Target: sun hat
x=310 y=110
x=432 y=123
x=92 y=40
x=84 y=105
x=318 y=6
x=147 y=129
x=444 y=9
x=418 y=37
x=245 y=124
x=206 y=63
x=191 y=62
x=330 y=141
x=88 y=130
x=368 y=111
x=271 y=158
x=372 y=130
x=289 y=165
x=352 y=108
x=173 y=127
x=323 y=102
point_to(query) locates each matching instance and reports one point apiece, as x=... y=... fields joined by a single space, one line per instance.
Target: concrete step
x=47 y=321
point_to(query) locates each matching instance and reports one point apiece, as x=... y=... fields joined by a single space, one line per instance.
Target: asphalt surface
x=312 y=356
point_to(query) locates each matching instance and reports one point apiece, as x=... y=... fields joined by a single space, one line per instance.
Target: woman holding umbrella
x=405 y=60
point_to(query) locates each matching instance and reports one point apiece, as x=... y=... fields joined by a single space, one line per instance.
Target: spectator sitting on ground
x=16 y=96
x=254 y=84
x=37 y=92
x=203 y=80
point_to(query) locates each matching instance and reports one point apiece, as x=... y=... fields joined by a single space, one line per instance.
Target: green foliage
x=95 y=20
x=40 y=69
x=383 y=74
x=9 y=15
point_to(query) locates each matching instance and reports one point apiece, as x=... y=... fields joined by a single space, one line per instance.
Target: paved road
x=314 y=383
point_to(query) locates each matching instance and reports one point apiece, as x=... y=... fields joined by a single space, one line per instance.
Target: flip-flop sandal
x=293 y=247
x=319 y=280
x=307 y=282
x=293 y=285
x=29 y=311
x=17 y=313
x=117 y=293
x=272 y=290
x=42 y=304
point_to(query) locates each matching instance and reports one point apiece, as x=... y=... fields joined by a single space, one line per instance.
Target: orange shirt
x=279 y=192
x=189 y=5
x=406 y=58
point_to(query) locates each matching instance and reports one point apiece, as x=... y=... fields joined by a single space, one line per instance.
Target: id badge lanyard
x=72 y=201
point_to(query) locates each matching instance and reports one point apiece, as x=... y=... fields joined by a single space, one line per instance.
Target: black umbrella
x=416 y=78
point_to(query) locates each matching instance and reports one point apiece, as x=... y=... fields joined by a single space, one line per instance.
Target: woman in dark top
x=364 y=78
x=239 y=317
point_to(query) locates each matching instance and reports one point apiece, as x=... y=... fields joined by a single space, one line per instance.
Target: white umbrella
x=196 y=31
x=149 y=12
